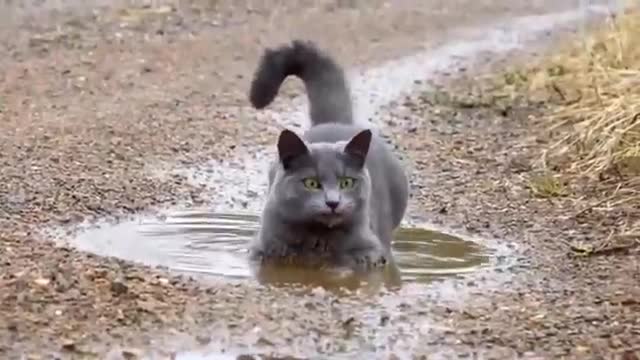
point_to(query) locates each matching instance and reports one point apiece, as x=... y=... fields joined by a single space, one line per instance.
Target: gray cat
x=337 y=193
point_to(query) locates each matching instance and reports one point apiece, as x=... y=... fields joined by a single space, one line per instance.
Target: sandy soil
x=88 y=97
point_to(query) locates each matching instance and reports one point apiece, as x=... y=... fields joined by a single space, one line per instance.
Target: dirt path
x=474 y=171
x=88 y=100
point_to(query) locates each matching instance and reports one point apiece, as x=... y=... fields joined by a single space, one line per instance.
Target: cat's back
x=334 y=132
x=331 y=132
x=380 y=155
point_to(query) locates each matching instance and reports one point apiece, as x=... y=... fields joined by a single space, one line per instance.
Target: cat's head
x=322 y=183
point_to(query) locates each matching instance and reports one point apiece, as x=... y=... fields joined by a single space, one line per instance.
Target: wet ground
x=112 y=111
x=215 y=245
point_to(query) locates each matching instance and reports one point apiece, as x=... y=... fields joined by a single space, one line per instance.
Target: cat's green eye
x=347 y=182
x=311 y=183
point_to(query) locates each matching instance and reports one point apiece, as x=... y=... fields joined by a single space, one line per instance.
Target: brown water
x=215 y=244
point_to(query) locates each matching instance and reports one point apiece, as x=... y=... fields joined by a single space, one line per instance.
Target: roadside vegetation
x=590 y=90
x=585 y=97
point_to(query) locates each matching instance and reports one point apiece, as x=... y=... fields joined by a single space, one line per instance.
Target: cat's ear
x=290 y=146
x=358 y=146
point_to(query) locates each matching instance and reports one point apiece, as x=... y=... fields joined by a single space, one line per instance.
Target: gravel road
x=91 y=95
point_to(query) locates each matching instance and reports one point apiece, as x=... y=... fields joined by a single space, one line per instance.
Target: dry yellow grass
x=600 y=110
x=591 y=92
x=547 y=186
x=592 y=89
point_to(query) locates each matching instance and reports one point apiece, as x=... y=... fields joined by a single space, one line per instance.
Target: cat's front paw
x=365 y=260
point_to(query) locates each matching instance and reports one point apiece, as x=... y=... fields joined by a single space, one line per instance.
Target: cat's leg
x=267 y=246
x=362 y=259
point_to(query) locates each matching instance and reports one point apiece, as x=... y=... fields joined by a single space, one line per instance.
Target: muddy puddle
x=214 y=245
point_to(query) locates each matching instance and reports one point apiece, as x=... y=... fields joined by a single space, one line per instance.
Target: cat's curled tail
x=327 y=89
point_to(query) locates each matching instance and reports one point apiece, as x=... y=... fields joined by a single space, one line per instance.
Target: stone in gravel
x=131 y=354
x=42 y=282
x=68 y=345
x=118 y=287
x=245 y=357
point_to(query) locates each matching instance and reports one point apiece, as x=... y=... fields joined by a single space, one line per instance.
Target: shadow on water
x=214 y=244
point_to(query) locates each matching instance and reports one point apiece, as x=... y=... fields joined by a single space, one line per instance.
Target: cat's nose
x=332 y=204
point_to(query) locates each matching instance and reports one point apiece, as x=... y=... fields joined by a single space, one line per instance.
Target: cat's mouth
x=331 y=219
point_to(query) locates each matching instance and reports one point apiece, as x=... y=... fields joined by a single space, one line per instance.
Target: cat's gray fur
x=298 y=223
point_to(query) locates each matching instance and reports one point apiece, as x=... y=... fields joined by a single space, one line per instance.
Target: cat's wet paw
x=367 y=260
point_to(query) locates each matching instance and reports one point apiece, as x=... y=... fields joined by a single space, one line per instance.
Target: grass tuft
x=599 y=113
x=591 y=90
x=547 y=186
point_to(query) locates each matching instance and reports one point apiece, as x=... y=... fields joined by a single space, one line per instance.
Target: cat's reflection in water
x=336 y=280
